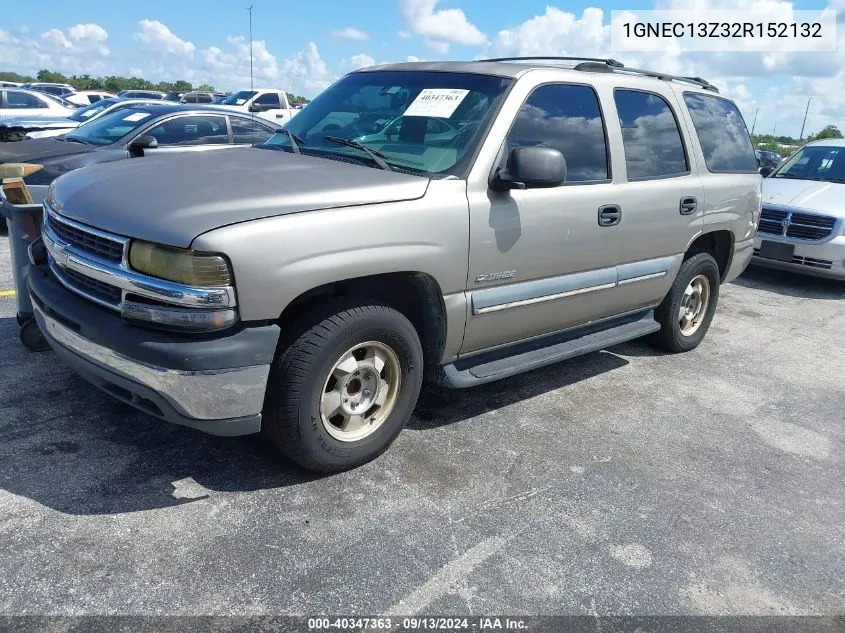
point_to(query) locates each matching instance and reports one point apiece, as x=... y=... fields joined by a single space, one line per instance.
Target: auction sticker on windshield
x=137 y=116
x=436 y=102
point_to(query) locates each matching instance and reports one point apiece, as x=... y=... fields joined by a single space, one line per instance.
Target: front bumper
x=825 y=259
x=213 y=383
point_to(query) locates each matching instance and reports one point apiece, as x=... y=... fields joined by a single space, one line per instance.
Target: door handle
x=688 y=205
x=610 y=214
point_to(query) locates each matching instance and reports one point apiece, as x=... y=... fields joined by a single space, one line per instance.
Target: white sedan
x=15 y=102
x=87 y=97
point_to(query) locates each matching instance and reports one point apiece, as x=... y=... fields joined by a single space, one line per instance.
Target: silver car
x=802 y=225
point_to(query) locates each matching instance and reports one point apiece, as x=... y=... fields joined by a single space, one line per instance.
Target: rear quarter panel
x=731 y=200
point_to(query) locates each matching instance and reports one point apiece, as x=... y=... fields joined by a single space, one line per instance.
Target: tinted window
x=112 y=127
x=723 y=135
x=653 y=146
x=815 y=162
x=246 y=131
x=16 y=99
x=192 y=130
x=568 y=119
x=239 y=98
x=270 y=99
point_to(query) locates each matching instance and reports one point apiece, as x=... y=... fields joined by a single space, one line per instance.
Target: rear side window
x=16 y=99
x=650 y=135
x=567 y=118
x=722 y=133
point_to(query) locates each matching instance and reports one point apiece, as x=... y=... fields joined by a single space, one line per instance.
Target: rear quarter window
x=723 y=135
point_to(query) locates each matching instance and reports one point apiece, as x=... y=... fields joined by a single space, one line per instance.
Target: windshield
x=421 y=122
x=86 y=112
x=239 y=98
x=111 y=127
x=815 y=162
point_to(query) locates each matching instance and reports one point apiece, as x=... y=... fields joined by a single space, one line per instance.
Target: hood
x=40 y=149
x=812 y=195
x=171 y=199
x=41 y=123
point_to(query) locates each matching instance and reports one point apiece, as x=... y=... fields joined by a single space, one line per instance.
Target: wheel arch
x=416 y=295
x=718 y=243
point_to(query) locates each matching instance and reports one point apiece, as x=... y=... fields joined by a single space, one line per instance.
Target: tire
x=698 y=272
x=306 y=383
x=31 y=336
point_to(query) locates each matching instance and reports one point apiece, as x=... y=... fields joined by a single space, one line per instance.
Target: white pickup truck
x=268 y=104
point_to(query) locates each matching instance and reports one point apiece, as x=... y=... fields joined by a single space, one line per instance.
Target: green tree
x=829 y=131
x=205 y=88
x=49 y=76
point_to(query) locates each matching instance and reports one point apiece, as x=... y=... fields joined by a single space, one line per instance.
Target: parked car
x=23 y=128
x=51 y=88
x=134 y=131
x=9 y=84
x=17 y=102
x=141 y=94
x=268 y=104
x=174 y=95
x=197 y=97
x=802 y=226
x=306 y=287
x=767 y=161
x=87 y=97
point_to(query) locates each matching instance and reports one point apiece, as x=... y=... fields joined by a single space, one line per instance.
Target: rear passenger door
x=659 y=192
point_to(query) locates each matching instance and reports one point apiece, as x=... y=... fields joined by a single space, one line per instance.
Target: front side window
x=392 y=113
x=650 y=135
x=567 y=118
x=721 y=130
x=192 y=130
x=815 y=162
x=16 y=99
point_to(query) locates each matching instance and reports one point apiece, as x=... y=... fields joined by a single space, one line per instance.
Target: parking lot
x=623 y=482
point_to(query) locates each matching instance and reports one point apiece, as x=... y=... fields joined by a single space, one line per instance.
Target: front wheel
x=687 y=310
x=343 y=389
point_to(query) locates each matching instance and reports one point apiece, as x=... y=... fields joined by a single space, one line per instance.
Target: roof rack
x=601 y=65
x=606 y=62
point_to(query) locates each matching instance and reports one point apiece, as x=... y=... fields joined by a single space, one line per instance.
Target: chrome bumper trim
x=66 y=255
x=203 y=395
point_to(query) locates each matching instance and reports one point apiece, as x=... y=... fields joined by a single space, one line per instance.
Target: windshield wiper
x=377 y=156
x=73 y=139
x=295 y=141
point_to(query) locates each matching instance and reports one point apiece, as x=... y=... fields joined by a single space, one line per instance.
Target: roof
x=830 y=142
x=516 y=66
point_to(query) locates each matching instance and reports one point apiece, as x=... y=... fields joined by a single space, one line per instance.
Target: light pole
x=251 y=85
x=753 y=125
x=806 y=110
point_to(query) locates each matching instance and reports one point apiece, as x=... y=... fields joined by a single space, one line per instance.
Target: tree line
x=779 y=144
x=115 y=83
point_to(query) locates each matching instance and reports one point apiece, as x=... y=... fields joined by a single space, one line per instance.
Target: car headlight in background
x=180 y=265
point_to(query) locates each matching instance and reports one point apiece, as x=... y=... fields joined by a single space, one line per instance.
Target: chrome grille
x=97 y=291
x=802 y=226
x=84 y=240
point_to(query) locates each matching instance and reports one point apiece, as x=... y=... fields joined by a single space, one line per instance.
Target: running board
x=547 y=350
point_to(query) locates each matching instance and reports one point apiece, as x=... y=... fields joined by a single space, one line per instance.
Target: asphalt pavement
x=624 y=482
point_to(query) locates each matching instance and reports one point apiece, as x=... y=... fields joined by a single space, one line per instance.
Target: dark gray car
x=133 y=132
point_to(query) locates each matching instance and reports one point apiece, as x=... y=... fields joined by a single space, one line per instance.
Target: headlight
x=177 y=319
x=180 y=265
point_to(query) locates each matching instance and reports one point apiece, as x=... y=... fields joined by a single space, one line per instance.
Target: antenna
x=251 y=83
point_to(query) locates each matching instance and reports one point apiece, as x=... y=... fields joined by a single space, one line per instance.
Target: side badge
x=505 y=274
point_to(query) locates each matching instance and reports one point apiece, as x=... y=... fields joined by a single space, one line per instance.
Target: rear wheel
x=687 y=310
x=344 y=387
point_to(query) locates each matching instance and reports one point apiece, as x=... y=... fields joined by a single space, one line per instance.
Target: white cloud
x=351 y=33
x=446 y=26
x=90 y=32
x=413 y=58
x=555 y=32
x=361 y=60
x=56 y=38
x=437 y=46
x=162 y=39
x=404 y=35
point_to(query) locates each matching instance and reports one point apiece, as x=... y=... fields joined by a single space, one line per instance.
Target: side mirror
x=530 y=168
x=145 y=141
x=256 y=107
x=765 y=171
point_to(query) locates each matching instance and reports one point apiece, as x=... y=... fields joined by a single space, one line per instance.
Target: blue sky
x=303 y=46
